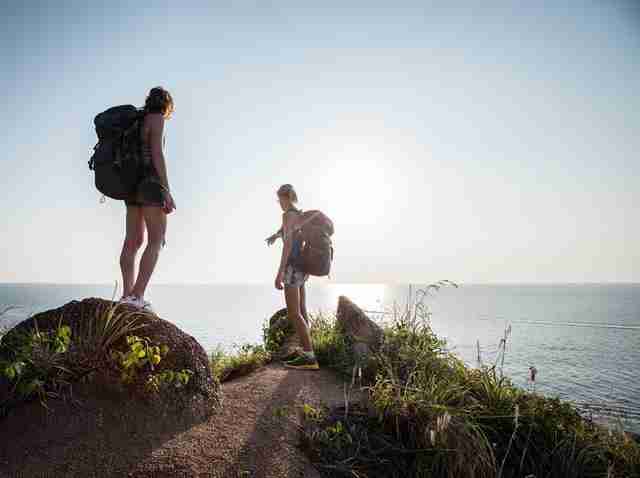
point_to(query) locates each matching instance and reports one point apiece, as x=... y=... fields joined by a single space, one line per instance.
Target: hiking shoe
x=295 y=353
x=302 y=362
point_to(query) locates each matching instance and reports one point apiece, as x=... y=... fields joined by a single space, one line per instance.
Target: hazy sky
x=482 y=142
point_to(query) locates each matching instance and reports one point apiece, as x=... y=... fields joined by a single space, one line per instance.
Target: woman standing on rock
x=292 y=280
x=148 y=207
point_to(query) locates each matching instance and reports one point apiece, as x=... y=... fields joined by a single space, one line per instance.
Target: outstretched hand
x=271 y=239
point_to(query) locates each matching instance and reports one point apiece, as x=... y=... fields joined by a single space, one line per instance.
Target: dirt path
x=254 y=434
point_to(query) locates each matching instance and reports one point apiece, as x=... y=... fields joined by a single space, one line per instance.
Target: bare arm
x=272 y=238
x=287 y=227
x=157 y=155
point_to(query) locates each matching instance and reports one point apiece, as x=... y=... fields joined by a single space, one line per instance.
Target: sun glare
x=360 y=188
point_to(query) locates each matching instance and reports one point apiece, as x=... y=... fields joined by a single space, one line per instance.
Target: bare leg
x=303 y=304
x=292 y=297
x=134 y=237
x=156 y=221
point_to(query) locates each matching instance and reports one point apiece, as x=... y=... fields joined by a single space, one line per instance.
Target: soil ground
x=254 y=434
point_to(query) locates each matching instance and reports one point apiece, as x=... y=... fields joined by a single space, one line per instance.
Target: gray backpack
x=316 y=256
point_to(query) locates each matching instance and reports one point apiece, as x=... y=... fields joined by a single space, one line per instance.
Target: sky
x=476 y=142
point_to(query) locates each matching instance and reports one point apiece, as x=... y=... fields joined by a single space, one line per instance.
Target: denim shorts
x=294 y=277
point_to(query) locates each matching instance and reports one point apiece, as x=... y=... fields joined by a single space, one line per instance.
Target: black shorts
x=149 y=192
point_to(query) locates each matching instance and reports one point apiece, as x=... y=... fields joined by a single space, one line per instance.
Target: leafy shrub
x=143 y=356
x=34 y=363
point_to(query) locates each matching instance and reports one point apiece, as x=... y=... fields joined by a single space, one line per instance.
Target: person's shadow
x=272 y=447
x=95 y=436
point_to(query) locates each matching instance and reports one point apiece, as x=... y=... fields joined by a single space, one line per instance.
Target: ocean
x=583 y=339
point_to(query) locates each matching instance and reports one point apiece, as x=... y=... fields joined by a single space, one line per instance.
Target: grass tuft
x=331 y=347
x=246 y=359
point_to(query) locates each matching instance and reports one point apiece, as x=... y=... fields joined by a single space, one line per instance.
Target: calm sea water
x=584 y=340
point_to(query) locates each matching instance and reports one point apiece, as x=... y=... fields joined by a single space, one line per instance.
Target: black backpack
x=117 y=157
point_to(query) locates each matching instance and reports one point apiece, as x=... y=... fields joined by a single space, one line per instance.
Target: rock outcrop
x=281 y=337
x=183 y=352
x=363 y=333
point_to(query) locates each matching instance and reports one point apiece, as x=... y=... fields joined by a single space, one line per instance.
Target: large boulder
x=280 y=336
x=102 y=371
x=364 y=335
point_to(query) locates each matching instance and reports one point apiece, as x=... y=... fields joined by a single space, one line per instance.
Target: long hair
x=159 y=100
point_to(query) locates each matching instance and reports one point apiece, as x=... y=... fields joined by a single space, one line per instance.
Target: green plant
x=281 y=412
x=141 y=354
x=168 y=379
x=34 y=363
x=246 y=358
x=104 y=327
x=355 y=446
x=331 y=347
x=311 y=412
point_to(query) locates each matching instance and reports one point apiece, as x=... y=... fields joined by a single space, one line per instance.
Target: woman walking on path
x=148 y=206
x=292 y=279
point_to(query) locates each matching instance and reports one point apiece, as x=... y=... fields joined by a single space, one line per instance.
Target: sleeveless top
x=147 y=161
x=149 y=190
x=296 y=246
x=146 y=153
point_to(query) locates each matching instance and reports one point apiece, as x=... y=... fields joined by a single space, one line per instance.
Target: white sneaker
x=132 y=300
x=138 y=303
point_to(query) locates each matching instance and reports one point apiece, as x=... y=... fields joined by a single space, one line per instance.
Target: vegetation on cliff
x=429 y=415
x=424 y=413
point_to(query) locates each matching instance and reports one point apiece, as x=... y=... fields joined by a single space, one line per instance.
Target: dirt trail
x=254 y=434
